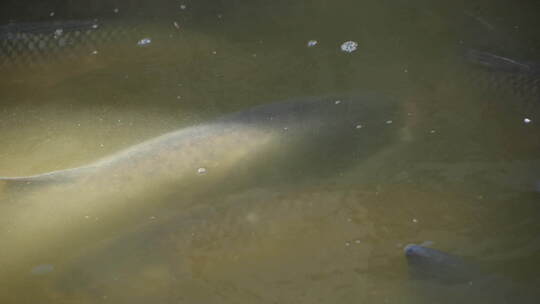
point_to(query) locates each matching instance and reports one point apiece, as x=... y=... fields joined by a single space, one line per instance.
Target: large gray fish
x=447 y=278
x=50 y=217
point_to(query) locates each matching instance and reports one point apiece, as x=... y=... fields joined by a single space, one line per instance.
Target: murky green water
x=276 y=220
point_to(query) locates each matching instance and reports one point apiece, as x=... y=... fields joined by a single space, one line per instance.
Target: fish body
x=508 y=78
x=445 y=278
x=430 y=264
x=48 y=218
x=35 y=44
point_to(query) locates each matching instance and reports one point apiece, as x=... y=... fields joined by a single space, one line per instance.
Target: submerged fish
x=34 y=44
x=45 y=219
x=447 y=278
x=430 y=264
x=513 y=79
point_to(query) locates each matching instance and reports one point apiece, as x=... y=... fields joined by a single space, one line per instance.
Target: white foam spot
x=312 y=43
x=144 y=41
x=202 y=170
x=349 y=46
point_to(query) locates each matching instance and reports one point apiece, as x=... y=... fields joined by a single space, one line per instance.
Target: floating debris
x=144 y=42
x=389 y=122
x=337 y=101
x=51 y=14
x=116 y=10
x=201 y=170
x=176 y=25
x=182 y=6
x=349 y=46
x=359 y=126
x=95 y=26
x=312 y=43
x=527 y=120
x=58 y=33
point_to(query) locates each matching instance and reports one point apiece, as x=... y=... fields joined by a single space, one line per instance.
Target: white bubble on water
x=58 y=32
x=349 y=46
x=144 y=42
x=201 y=170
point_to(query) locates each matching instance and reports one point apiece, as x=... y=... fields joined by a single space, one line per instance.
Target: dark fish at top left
x=37 y=43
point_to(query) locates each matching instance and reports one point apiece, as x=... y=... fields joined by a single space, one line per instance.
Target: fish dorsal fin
x=492 y=61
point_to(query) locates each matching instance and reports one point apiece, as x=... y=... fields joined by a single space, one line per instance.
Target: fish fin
x=500 y=63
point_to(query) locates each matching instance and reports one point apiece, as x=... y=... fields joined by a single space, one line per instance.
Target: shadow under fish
x=47 y=219
x=440 y=277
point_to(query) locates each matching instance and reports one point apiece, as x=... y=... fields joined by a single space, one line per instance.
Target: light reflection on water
x=461 y=172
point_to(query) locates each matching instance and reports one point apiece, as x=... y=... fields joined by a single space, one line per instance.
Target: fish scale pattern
x=32 y=44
